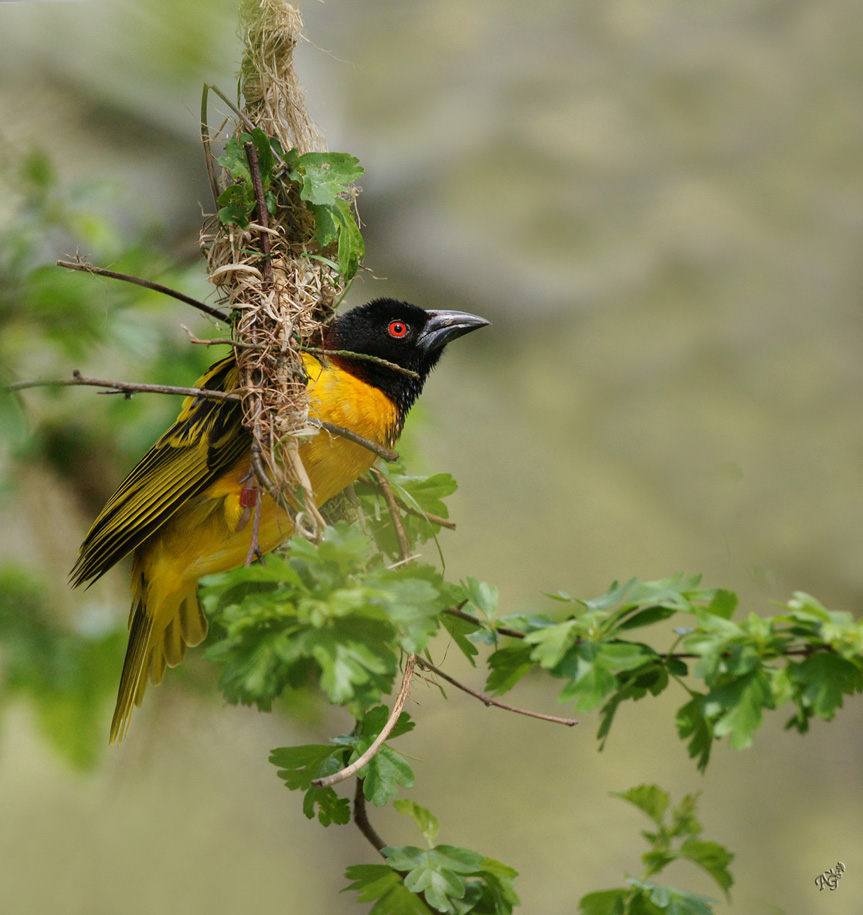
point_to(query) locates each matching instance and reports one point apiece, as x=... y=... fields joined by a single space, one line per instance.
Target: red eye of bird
x=397 y=328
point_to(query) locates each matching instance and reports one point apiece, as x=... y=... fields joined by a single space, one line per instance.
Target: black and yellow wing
x=205 y=441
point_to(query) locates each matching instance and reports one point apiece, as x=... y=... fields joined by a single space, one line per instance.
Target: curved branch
x=361 y=818
x=372 y=751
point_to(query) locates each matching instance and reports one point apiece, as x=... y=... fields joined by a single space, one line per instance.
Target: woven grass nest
x=280 y=285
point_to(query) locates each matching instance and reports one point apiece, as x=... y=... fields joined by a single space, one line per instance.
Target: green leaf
x=647 y=617
x=482 y=595
x=383 y=774
x=459 y=630
x=723 y=604
x=507 y=666
x=606 y=902
x=822 y=680
x=737 y=708
x=300 y=765
x=378 y=881
x=552 y=643
x=330 y=807
x=711 y=857
x=323 y=176
x=692 y=723
x=671 y=900
x=650 y=799
x=424 y=818
x=437 y=873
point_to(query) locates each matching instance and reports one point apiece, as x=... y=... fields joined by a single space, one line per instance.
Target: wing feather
x=207 y=438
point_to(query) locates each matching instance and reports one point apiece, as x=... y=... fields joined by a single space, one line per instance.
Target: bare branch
x=499 y=630
x=363 y=357
x=355 y=766
x=147 y=284
x=374 y=447
x=126 y=387
x=488 y=701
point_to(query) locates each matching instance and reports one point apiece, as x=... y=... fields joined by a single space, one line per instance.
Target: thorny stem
x=147 y=284
x=488 y=701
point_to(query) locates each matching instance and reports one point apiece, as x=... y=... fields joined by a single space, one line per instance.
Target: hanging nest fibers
x=283 y=246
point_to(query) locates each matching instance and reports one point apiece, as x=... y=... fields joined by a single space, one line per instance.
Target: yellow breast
x=214 y=529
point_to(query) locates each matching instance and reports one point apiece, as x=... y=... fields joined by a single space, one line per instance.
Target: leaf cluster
x=676 y=837
x=806 y=655
x=381 y=776
x=333 y=613
x=321 y=181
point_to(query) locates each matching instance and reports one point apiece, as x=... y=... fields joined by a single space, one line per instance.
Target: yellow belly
x=212 y=533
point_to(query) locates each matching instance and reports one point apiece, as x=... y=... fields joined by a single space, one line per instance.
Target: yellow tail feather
x=150 y=650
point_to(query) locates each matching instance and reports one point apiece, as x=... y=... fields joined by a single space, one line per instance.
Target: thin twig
x=220 y=341
x=147 y=284
x=130 y=387
x=499 y=630
x=488 y=701
x=404 y=543
x=257 y=184
x=379 y=450
x=206 y=142
x=127 y=387
x=241 y=115
x=428 y=516
x=363 y=357
x=361 y=818
x=355 y=766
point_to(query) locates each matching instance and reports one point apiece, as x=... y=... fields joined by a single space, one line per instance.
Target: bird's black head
x=409 y=337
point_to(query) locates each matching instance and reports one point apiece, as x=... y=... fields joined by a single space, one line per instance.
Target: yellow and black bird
x=180 y=510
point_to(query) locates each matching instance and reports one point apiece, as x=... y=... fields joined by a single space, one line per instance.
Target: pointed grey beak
x=444 y=326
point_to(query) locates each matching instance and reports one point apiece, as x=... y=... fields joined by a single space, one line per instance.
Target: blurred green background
x=660 y=207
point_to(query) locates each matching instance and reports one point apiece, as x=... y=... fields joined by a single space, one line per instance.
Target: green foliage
x=676 y=837
x=381 y=776
x=338 y=616
x=66 y=677
x=420 y=497
x=442 y=878
x=321 y=179
x=334 y=612
x=747 y=666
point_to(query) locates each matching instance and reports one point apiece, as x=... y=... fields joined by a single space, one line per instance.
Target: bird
x=183 y=511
